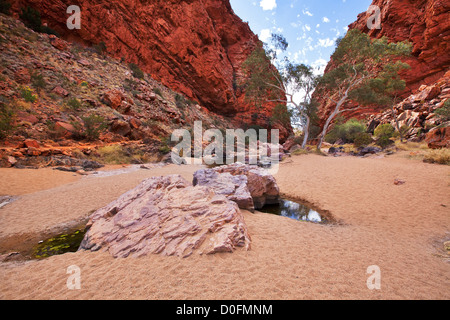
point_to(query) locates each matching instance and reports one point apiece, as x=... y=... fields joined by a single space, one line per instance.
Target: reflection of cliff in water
x=295 y=210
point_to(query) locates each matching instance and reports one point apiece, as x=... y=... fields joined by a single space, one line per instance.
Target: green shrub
x=137 y=72
x=4 y=7
x=48 y=30
x=37 y=81
x=90 y=128
x=74 y=104
x=362 y=139
x=180 y=101
x=346 y=132
x=158 y=92
x=6 y=120
x=28 y=95
x=94 y=125
x=280 y=114
x=444 y=111
x=31 y=18
x=100 y=48
x=383 y=134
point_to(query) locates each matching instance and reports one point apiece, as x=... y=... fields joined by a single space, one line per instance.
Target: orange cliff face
x=194 y=47
x=424 y=23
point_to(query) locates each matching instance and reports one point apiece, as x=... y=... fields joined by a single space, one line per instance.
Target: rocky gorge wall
x=426 y=24
x=193 y=47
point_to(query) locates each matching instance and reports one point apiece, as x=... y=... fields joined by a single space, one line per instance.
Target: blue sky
x=311 y=27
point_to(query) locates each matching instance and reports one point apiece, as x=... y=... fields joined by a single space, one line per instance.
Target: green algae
x=59 y=244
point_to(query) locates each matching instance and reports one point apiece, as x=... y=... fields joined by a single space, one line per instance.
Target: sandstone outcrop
x=193 y=47
x=233 y=187
x=167 y=216
x=426 y=24
x=261 y=184
x=417 y=113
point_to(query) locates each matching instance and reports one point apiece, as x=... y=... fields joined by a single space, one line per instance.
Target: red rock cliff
x=425 y=23
x=195 y=47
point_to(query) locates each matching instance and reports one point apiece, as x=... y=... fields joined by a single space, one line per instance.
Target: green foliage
x=365 y=71
x=100 y=48
x=74 y=104
x=31 y=18
x=261 y=78
x=60 y=244
x=357 y=59
x=5 y=6
x=362 y=139
x=37 y=81
x=90 y=128
x=281 y=114
x=444 y=112
x=383 y=134
x=181 y=102
x=94 y=125
x=28 y=95
x=158 y=92
x=137 y=72
x=6 y=120
x=48 y=30
x=348 y=132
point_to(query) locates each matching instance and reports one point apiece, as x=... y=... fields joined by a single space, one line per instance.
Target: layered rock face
x=167 y=216
x=417 y=112
x=424 y=23
x=194 y=47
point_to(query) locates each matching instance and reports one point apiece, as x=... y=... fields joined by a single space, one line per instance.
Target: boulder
x=30 y=143
x=121 y=127
x=261 y=184
x=233 y=187
x=438 y=138
x=58 y=43
x=167 y=216
x=369 y=150
x=64 y=129
x=60 y=91
x=113 y=98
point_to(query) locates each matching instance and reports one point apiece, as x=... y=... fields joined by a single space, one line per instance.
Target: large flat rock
x=168 y=216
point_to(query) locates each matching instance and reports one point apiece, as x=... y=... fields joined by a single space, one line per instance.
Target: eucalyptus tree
x=364 y=70
x=270 y=79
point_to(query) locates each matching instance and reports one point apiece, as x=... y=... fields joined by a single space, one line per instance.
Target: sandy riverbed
x=399 y=228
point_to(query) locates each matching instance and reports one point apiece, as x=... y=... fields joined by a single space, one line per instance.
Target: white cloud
x=307 y=13
x=265 y=35
x=268 y=4
x=325 y=19
x=325 y=43
x=319 y=66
